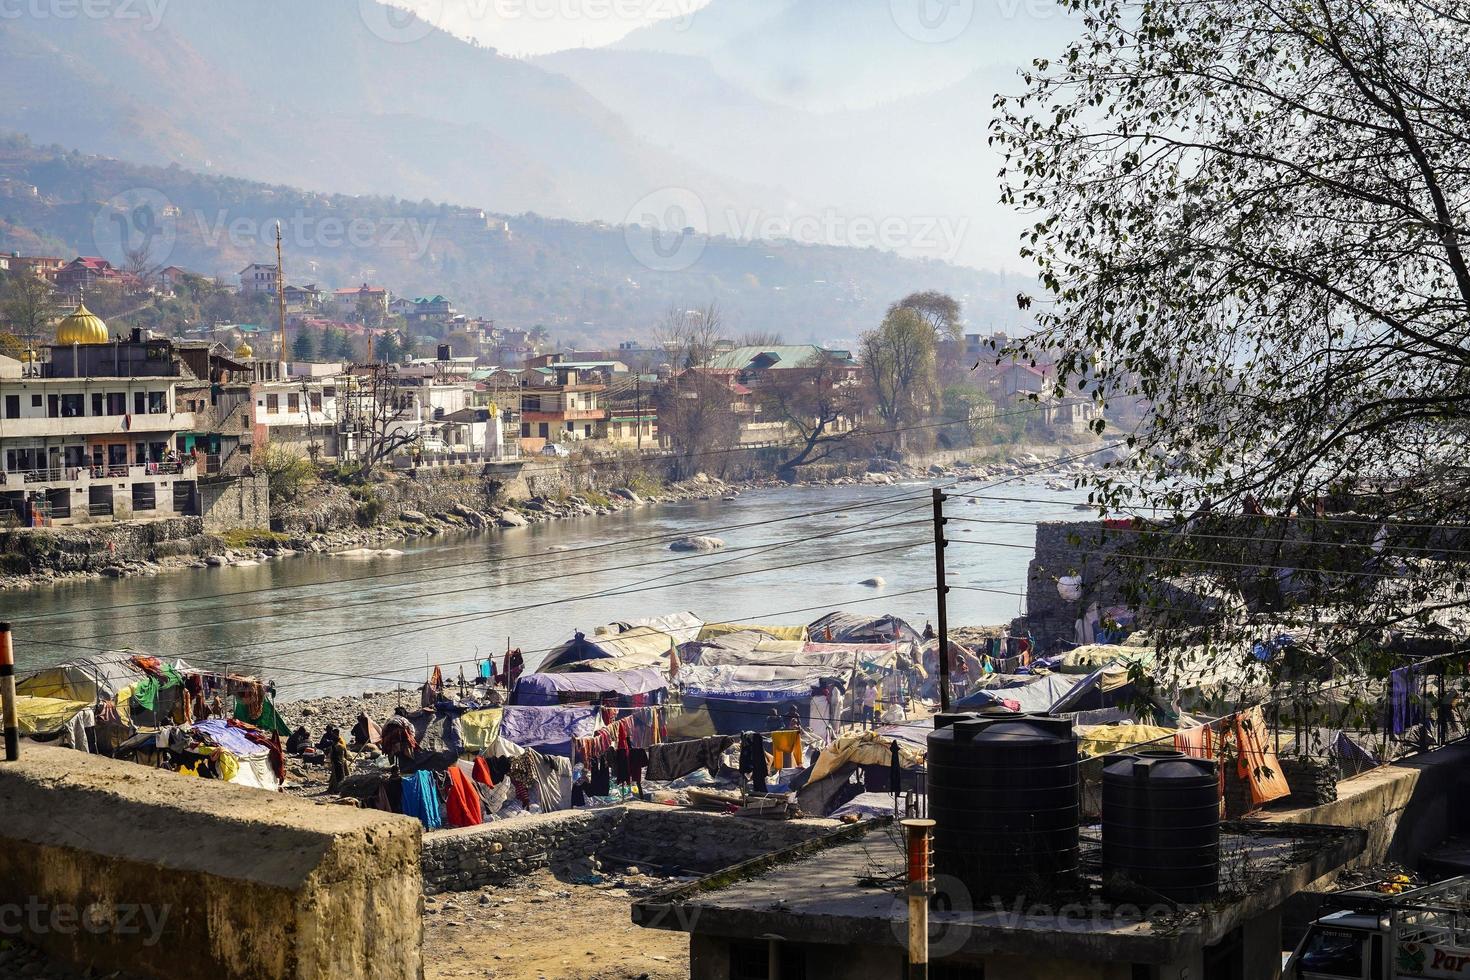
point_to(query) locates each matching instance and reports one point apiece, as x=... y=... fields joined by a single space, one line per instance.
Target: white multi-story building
x=257 y=278
x=92 y=433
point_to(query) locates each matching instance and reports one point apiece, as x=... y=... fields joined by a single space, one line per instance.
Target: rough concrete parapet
x=117 y=866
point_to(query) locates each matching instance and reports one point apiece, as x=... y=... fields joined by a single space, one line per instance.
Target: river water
x=328 y=625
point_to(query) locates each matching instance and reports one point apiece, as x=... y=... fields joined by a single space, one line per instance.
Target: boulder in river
x=697 y=543
x=415 y=517
x=876 y=582
x=510 y=518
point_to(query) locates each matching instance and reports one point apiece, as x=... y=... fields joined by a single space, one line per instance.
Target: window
x=1334 y=952
x=293 y=402
x=99 y=404
x=35 y=401
x=545 y=430
x=117 y=403
x=117 y=455
x=144 y=496
x=272 y=404
x=73 y=406
x=316 y=401
x=525 y=430
x=12 y=406
x=157 y=402
x=53 y=407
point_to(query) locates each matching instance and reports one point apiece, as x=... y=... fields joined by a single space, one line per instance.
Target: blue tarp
x=611 y=688
x=232 y=740
x=548 y=730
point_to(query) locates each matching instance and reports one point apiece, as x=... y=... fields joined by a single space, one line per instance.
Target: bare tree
x=696 y=415
x=898 y=365
x=820 y=401
x=759 y=338
x=690 y=336
x=26 y=306
x=380 y=414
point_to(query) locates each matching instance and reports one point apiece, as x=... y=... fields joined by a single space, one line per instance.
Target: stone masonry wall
x=95 y=547
x=243 y=502
x=661 y=837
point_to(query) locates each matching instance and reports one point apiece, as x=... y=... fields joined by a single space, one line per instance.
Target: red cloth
x=462 y=808
x=482 y=772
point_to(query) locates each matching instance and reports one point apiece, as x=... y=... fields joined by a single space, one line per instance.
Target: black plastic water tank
x=1161 y=827
x=1003 y=794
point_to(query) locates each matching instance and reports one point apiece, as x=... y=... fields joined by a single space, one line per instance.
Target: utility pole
x=281 y=292
x=919 y=890
x=7 y=695
x=638 y=408
x=941 y=588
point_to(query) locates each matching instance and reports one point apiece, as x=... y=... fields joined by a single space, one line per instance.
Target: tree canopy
x=1254 y=215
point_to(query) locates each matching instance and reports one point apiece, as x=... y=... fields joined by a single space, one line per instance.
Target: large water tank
x=1161 y=827
x=1004 y=798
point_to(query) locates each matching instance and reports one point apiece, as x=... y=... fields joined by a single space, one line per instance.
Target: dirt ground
x=542 y=927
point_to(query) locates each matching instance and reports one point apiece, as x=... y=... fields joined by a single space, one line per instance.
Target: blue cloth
x=1404 y=710
x=613 y=688
x=421 y=799
x=548 y=730
x=232 y=740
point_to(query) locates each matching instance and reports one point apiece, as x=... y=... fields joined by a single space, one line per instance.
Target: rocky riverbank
x=382 y=524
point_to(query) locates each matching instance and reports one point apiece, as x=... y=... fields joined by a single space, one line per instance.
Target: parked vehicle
x=1417 y=934
x=555 y=449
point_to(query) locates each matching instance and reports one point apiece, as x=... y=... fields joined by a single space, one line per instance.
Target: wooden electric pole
x=941 y=588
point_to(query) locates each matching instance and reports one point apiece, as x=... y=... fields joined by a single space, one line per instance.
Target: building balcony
x=95 y=425
x=576 y=415
x=82 y=476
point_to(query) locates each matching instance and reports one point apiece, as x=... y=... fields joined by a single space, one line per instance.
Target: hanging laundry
x=785 y=749
x=1404 y=709
x=421 y=799
x=462 y=804
x=1258 y=765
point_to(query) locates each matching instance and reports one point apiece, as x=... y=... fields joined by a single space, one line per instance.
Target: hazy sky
x=526 y=27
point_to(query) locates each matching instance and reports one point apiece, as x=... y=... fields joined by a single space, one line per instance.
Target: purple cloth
x=548 y=730
x=1404 y=709
x=553 y=689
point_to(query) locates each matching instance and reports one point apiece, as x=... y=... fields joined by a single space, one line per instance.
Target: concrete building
x=257 y=278
x=559 y=407
x=92 y=433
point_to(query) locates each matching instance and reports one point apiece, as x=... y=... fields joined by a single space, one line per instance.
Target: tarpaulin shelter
x=713 y=630
x=742 y=698
x=641 y=646
x=823 y=789
x=55 y=720
x=619 y=689
x=546 y=729
x=252 y=763
x=681 y=627
x=766 y=652
x=1033 y=693
x=846 y=627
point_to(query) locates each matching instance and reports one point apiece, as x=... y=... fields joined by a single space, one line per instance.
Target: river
x=319 y=624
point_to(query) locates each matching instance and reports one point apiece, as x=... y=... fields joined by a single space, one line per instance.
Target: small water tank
x=1003 y=793
x=1161 y=827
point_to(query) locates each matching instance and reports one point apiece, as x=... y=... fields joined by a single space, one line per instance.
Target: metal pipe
x=7 y=695
x=920 y=889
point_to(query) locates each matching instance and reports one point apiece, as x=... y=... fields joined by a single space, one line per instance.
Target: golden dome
x=82 y=327
x=244 y=350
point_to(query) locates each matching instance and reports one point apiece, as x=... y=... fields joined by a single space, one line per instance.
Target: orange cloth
x=462 y=808
x=482 y=771
x=1259 y=766
x=785 y=743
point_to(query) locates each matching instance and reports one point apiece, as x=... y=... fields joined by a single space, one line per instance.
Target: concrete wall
x=121 y=867
x=242 y=502
x=656 y=837
x=94 y=547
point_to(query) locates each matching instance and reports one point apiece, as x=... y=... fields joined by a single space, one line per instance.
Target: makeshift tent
x=1034 y=694
x=252 y=762
x=1096 y=740
x=846 y=627
x=777 y=653
x=741 y=698
x=548 y=730
x=610 y=689
x=713 y=630
x=479 y=728
x=824 y=787
x=739 y=642
x=89 y=679
x=641 y=646
x=55 y=720
x=682 y=627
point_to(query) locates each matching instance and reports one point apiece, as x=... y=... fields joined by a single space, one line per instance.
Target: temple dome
x=244 y=351
x=82 y=327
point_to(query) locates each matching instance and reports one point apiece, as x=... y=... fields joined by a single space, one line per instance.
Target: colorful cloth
x=784 y=744
x=462 y=807
x=421 y=799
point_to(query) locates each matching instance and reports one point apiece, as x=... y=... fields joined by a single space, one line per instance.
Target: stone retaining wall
x=667 y=839
x=95 y=547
